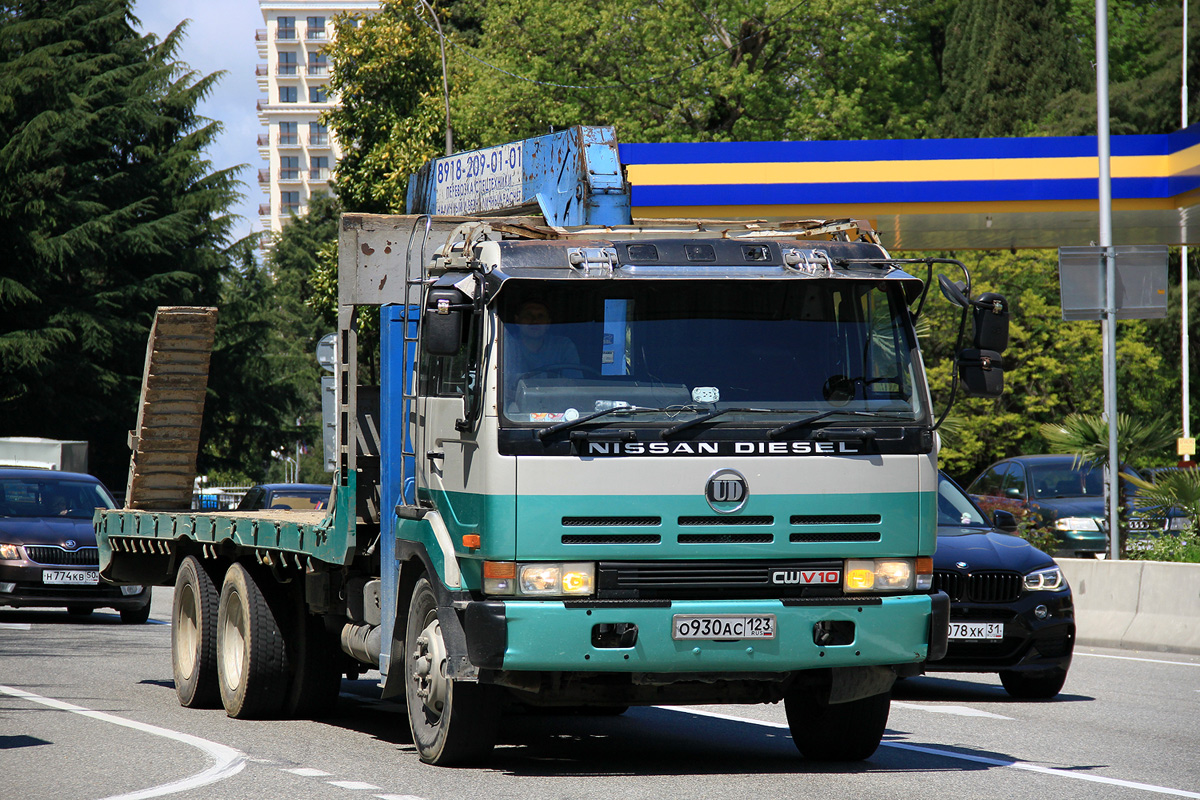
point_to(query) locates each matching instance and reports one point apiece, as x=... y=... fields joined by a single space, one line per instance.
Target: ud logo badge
x=726 y=491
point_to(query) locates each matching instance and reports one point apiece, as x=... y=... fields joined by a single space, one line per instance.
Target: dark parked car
x=48 y=554
x=1010 y=606
x=1066 y=497
x=295 y=496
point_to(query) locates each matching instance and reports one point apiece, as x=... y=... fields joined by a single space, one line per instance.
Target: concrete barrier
x=1136 y=605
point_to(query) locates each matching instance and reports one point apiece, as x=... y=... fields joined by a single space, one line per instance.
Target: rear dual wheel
x=194 y=636
x=252 y=666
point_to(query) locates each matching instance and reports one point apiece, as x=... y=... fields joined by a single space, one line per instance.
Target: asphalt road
x=88 y=710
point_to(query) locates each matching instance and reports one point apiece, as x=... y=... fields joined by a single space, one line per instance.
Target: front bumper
x=22 y=586
x=628 y=636
x=1029 y=643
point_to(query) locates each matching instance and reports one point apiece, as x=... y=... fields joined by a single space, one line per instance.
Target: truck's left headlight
x=540 y=579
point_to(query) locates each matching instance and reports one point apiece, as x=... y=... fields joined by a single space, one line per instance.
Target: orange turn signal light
x=471 y=541
x=500 y=569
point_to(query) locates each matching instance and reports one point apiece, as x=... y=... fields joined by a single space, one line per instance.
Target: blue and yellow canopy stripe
x=905 y=179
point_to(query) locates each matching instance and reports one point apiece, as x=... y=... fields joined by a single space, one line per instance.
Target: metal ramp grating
x=170 y=410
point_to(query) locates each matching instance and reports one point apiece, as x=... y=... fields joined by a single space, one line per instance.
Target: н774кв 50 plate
x=70 y=577
x=723 y=626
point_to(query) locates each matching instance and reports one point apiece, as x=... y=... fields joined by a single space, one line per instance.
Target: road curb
x=1136 y=605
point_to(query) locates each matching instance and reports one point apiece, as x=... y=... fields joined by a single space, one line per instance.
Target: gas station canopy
x=934 y=194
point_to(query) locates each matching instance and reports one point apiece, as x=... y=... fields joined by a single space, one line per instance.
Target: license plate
x=723 y=626
x=71 y=577
x=976 y=630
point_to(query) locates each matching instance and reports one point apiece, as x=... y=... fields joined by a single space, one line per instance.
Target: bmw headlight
x=1049 y=579
x=10 y=552
x=1076 y=524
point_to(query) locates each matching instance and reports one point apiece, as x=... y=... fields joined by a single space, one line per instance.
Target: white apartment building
x=298 y=150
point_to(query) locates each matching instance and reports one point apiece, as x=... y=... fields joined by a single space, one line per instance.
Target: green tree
x=1005 y=63
x=386 y=73
x=109 y=209
x=264 y=383
x=1052 y=368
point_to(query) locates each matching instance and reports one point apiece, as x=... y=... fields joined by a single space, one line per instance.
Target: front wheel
x=452 y=722
x=1034 y=685
x=836 y=732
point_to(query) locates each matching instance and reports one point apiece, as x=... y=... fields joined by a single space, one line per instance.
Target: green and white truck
x=601 y=463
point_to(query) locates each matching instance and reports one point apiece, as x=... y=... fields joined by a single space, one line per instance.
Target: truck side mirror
x=991 y=322
x=442 y=321
x=981 y=372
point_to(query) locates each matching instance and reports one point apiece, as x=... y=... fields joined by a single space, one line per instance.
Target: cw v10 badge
x=726 y=491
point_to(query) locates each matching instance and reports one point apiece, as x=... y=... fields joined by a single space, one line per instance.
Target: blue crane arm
x=574 y=177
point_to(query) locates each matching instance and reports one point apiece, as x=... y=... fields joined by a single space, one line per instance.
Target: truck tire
x=1034 y=685
x=316 y=675
x=194 y=636
x=839 y=732
x=452 y=722
x=252 y=667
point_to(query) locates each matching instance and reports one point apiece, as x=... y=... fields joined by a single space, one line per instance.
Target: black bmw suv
x=1010 y=605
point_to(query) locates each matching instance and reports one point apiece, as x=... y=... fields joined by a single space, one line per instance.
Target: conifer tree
x=109 y=209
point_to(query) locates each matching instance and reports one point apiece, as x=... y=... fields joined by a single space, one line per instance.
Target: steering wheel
x=559 y=369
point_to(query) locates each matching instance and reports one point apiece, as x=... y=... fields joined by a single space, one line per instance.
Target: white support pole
x=1109 y=324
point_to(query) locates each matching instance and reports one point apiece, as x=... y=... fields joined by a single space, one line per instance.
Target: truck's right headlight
x=539 y=579
x=878 y=575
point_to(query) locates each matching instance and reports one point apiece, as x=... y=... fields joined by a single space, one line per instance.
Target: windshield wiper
x=775 y=433
x=571 y=423
x=679 y=426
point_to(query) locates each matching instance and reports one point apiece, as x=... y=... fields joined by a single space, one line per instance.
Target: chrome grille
x=700 y=579
x=949 y=582
x=49 y=554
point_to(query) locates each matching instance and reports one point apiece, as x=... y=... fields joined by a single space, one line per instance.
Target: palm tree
x=1085 y=436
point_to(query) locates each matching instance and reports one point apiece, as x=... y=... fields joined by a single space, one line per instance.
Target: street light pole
x=1109 y=325
x=445 y=80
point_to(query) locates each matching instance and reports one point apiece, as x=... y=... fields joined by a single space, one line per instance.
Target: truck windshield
x=758 y=351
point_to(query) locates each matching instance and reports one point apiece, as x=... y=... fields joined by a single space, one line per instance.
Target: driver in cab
x=531 y=349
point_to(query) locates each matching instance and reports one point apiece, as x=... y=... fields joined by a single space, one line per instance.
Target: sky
x=220 y=36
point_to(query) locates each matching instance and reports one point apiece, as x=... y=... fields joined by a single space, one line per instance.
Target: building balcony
x=318 y=140
x=318 y=70
x=264 y=140
x=261 y=70
x=318 y=174
x=264 y=209
x=260 y=35
x=315 y=34
x=288 y=175
x=285 y=34
x=288 y=140
x=264 y=176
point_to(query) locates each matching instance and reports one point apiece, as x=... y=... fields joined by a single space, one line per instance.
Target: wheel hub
x=429 y=668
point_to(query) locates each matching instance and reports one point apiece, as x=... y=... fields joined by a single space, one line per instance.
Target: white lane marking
x=995 y=762
x=308 y=772
x=354 y=785
x=227 y=761
x=958 y=711
x=1147 y=660
x=15 y=626
x=398 y=797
